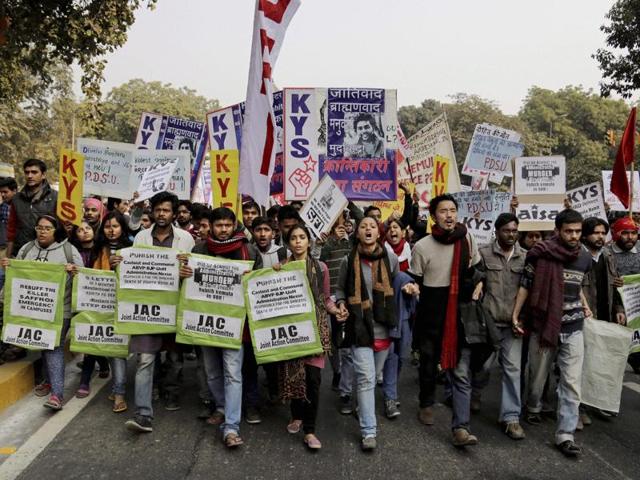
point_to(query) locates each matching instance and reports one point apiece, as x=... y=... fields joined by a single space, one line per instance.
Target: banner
x=179 y=181
x=165 y=132
x=225 y=170
x=147 y=290
x=156 y=178
x=281 y=312
x=588 y=200
x=340 y=132
x=212 y=309
x=491 y=150
x=93 y=328
x=540 y=184
x=34 y=304
x=107 y=167
x=323 y=207
x=479 y=211
x=70 y=186
x=630 y=293
x=431 y=141
x=613 y=201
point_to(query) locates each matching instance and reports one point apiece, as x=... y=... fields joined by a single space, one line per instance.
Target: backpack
x=66 y=246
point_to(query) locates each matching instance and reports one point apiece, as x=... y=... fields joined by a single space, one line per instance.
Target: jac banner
x=147 y=290
x=340 y=132
x=164 y=132
x=93 y=328
x=630 y=293
x=212 y=309
x=34 y=304
x=431 y=142
x=71 y=184
x=225 y=171
x=281 y=312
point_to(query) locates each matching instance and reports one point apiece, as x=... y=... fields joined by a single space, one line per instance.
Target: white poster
x=101 y=333
x=149 y=269
x=278 y=294
x=323 y=207
x=96 y=293
x=588 y=200
x=478 y=210
x=540 y=175
x=34 y=299
x=29 y=336
x=156 y=178
x=164 y=315
x=179 y=181
x=107 y=167
x=612 y=200
x=216 y=280
x=298 y=333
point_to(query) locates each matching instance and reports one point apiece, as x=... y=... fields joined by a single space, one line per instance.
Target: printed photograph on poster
x=149 y=269
x=540 y=175
x=33 y=299
x=278 y=294
x=323 y=207
x=29 y=337
x=156 y=178
x=95 y=292
x=216 y=280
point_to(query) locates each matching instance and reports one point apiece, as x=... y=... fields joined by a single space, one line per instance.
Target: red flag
x=257 y=155
x=626 y=152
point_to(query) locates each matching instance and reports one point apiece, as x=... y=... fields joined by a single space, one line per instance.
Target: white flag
x=257 y=155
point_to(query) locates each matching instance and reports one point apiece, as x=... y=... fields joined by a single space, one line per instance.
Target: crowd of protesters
x=385 y=291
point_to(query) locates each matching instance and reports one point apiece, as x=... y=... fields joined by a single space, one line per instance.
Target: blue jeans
x=365 y=373
x=570 y=354
x=144 y=384
x=119 y=375
x=346 y=372
x=460 y=380
x=510 y=354
x=226 y=363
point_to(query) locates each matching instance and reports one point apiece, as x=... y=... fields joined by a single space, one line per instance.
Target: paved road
x=96 y=445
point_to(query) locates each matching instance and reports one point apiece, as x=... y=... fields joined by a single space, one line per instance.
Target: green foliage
x=572 y=122
x=124 y=105
x=36 y=36
x=620 y=64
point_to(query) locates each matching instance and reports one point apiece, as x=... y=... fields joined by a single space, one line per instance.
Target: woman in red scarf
x=395 y=241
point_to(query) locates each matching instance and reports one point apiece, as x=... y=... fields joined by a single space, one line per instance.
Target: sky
x=497 y=49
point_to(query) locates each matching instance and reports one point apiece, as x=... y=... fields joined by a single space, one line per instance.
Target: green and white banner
x=34 y=304
x=630 y=293
x=147 y=290
x=212 y=309
x=281 y=312
x=93 y=328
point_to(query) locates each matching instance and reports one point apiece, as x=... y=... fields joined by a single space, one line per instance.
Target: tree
x=34 y=36
x=124 y=105
x=620 y=65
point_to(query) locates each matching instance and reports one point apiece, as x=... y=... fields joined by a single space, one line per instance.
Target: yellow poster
x=440 y=176
x=71 y=175
x=225 y=173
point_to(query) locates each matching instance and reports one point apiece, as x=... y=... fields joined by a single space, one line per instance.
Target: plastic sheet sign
x=147 y=290
x=630 y=293
x=212 y=308
x=93 y=328
x=33 y=304
x=281 y=312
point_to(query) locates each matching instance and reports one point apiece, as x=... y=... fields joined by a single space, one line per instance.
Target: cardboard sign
x=491 y=150
x=70 y=187
x=156 y=178
x=323 y=207
x=107 y=167
x=225 y=172
x=588 y=200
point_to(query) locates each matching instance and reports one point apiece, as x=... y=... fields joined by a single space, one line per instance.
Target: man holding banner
x=228 y=242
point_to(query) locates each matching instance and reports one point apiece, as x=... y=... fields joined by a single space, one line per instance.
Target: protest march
x=297 y=245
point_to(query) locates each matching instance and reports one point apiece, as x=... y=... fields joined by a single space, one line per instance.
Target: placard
x=107 y=167
x=588 y=200
x=70 y=186
x=491 y=150
x=179 y=182
x=157 y=178
x=281 y=310
x=630 y=294
x=94 y=291
x=540 y=175
x=323 y=207
x=613 y=201
x=479 y=210
x=144 y=268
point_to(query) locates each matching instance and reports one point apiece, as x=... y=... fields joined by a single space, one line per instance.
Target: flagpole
x=631 y=192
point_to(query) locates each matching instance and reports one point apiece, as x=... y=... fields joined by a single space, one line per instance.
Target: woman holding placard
x=114 y=235
x=51 y=246
x=300 y=378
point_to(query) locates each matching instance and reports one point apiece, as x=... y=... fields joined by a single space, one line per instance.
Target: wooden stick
x=631 y=193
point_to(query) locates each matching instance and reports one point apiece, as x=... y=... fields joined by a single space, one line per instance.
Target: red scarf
x=449 y=354
x=397 y=249
x=224 y=247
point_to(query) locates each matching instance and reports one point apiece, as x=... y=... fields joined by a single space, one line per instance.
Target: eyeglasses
x=41 y=228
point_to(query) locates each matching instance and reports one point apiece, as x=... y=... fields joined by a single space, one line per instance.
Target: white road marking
x=632 y=386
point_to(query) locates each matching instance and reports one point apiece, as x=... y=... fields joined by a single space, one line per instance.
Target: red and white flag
x=626 y=153
x=257 y=154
